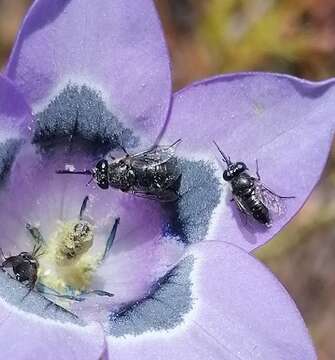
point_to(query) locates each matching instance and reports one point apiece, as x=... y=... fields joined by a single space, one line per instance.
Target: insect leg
x=2 y=255
x=122 y=147
x=110 y=239
x=35 y=233
x=31 y=285
x=257 y=170
x=83 y=207
x=8 y=262
x=177 y=142
x=36 y=250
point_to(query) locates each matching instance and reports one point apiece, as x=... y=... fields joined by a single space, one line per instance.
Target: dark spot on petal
x=13 y=292
x=199 y=192
x=79 y=114
x=8 y=151
x=165 y=306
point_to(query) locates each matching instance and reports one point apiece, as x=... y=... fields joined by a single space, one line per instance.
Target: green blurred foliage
x=268 y=35
x=252 y=34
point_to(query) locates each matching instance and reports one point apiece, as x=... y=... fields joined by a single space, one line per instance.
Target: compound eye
x=103 y=184
x=241 y=166
x=101 y=174
x=102 y=165
x=227 y=175
x=25 y=256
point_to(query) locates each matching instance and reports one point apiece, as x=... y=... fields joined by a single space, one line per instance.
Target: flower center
x=67 y=265
x=150 y=290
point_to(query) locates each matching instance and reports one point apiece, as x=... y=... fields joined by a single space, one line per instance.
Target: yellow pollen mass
x=66 y=261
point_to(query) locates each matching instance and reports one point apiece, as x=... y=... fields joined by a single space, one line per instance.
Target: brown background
x=208 y=37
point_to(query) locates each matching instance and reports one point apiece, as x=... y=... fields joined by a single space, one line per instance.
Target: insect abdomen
x=258 y=210
x=244 y=188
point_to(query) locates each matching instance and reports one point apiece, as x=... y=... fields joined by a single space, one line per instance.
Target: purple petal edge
x=24 y=336
x=240 y=311
x=15 y=113
x=260 y=116
x=133 y=71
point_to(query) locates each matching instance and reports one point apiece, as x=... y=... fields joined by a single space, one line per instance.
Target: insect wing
x=272 y=201
x=156 y=156
x=239 y=203
x=166 y=196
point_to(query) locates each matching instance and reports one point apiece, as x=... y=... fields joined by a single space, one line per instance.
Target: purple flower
x=85 y=75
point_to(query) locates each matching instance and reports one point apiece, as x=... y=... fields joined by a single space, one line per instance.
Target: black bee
x=25 y=266
x=151 y=174
x=250 y=195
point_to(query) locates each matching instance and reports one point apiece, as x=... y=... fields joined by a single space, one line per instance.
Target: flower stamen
x=67 y=263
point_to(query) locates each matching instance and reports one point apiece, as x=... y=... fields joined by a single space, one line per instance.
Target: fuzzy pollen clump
x=72 y=241
x=66 y=263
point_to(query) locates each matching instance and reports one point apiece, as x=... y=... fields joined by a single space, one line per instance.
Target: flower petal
x=27 y=336
x=115 y=47
x=15 y=114
x=285 y=123
x=240 y=311
x=35 y=195
x=15 y=120
x=31 y=321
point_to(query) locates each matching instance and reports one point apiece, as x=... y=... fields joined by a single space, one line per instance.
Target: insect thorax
x=157 y=178
x=242 y=184
x=152 y=178
x=121 y=175
x=24 y=270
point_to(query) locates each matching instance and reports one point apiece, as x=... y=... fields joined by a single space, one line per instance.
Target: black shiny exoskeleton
x=25 y=266
x=152 y=174
x=250 y=195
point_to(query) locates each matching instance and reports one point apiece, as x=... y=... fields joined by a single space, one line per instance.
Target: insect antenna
x=82 y=172
x=91 y=179
x=177 y=142
x=226 y=158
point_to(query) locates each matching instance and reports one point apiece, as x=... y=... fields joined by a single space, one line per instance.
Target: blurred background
x=208 y=37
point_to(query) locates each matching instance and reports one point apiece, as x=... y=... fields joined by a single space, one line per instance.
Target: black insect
x=25 y=266
x=250 y=195
x=151 y=174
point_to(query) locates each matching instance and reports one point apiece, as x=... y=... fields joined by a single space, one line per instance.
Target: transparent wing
x=165 y=196
x=240 y=206
x=156 y=156
x=271 y=200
